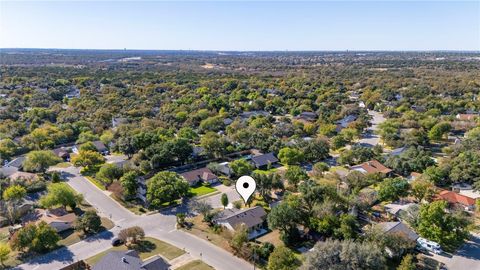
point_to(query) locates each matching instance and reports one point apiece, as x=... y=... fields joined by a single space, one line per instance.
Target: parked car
x=117 y=241
x=427 y=245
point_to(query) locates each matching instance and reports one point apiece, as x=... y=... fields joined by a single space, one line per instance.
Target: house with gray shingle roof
x=130 y=260
x=253 y=218
x=400 y=228
x=262 y=161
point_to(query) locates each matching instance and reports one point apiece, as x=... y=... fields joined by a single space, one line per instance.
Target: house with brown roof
x=371 y=167
x=58 y=218
x=456 y=199
x=466 y=116
x=200 y=175
x=30 y=177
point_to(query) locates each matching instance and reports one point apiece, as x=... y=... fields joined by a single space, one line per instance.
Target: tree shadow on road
x=60 y=255
x=105 y=235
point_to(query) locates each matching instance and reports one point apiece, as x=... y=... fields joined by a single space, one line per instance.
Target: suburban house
x=200 y=175
x=396 y=208
x=58 y=218
x=398 y=227
x=224 y=168
x=344 y=122
x=227 y=121
x=413 y=176
x=73 y=93
x=247 y=115
x=117 y=121
x=308 y=116
x=6 y=171
x=30 y=177
x=263 y=161
x=466 y=116
x=100 y=146
x=16 y=162
x=370 y=167
x=142 y=189
x=456 y=199
x=62 y=153
x=130 y=260
x=253 y=218
x=397 y=151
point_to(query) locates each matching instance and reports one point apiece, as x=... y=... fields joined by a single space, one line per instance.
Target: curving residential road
x=370 y=139
x=160 y=226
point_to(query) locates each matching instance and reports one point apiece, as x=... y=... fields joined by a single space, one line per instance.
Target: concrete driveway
x=467 y=257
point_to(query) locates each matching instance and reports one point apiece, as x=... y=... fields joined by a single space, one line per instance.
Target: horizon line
x=216 y=50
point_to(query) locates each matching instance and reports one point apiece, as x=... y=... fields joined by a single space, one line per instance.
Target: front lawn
x=95 y=182
x=196 y=265
x=70 y=237
x=201 y=190
x=147 y=248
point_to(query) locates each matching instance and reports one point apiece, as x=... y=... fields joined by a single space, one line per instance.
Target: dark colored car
x=116 y=241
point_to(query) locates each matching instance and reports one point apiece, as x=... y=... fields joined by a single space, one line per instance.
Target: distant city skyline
x=242 y=26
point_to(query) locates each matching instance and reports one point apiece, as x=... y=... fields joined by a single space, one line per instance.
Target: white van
x=427 y=245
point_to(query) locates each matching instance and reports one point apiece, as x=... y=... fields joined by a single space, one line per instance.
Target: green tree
x=290 y=156
x=129 y=184
x=90 y=222
x=108 y=173
x=165 y=187
x=13 y=196
x=4 y=253
x=8 y=148
x=224 y=200
x=314 y=150
x=87 y=136
x=282 y=258
x=60 y=194
x=239 y=239
x=423 y=189
x=38 y=238
x=407 y=263
x=131 y=235
x=285 y=218
x=39 y=161
x=392 y=189
x=88 y=146
x=295 y=175
x=88 y=159
x=241 y=167
x=202 y=207
x=439 y=130
x=347 y=254
x=348 y=227
x=214 y=144
x=440 y=226
x=338 y=142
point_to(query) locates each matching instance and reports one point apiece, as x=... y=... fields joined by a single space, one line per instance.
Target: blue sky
x=228 y=25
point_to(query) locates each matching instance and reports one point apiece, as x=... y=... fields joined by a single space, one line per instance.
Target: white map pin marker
x=245 y=186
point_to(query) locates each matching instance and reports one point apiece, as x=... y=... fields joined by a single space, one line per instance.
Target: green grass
x=132 y=207
x=95 y=182
x=147 y=248
x=71 y=237
x=201 y=190
x=272 y=170
x=196 y=265
x=63 y=165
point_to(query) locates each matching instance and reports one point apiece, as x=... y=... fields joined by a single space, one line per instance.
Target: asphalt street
x=159 y=225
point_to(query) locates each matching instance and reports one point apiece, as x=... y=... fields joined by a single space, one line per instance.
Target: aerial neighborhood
x=129 y=160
